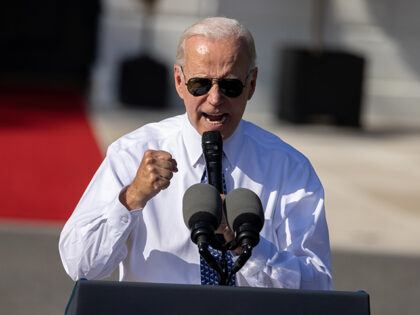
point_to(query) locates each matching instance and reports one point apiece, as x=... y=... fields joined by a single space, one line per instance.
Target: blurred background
x=339 y=80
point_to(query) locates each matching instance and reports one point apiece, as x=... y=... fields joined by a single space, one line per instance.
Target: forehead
x=215 y=55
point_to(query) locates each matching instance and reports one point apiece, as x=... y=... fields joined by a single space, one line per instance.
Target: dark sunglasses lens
x=199 y=86
x=231 y=87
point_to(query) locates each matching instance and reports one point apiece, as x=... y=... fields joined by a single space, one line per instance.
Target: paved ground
x=372 y=184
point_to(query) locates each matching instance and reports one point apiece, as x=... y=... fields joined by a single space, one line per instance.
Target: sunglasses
x=201 y=86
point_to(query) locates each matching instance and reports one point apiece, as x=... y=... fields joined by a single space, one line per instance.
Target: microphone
x=202 y=212
x=244 y=215
x=212 y=144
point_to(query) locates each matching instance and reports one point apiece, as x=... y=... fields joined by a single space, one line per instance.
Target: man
x=131 y=213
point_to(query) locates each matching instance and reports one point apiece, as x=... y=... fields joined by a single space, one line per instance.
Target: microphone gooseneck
x=212 y=145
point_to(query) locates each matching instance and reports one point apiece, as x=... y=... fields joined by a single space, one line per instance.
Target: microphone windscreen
x=243 y=206
x=202 y=203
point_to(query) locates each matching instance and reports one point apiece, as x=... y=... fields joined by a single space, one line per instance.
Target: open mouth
x=215 y=119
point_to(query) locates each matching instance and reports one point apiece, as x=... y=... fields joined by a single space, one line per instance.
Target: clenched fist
x=153 y=175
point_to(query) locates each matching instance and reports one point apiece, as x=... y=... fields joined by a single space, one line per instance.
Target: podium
x=126 y=298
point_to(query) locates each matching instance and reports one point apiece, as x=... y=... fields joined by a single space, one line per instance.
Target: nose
x=215 y=97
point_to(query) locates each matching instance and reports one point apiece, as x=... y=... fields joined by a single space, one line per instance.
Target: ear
x=253 y=83
x=179 y=81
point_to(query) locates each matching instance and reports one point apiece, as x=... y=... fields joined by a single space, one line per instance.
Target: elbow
x=80 y=261
x=70 y=260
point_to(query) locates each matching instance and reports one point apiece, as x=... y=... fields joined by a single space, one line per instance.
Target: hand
x=226 y=231
x=153 y=175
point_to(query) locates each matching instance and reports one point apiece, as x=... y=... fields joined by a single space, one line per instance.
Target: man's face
x=217 y=59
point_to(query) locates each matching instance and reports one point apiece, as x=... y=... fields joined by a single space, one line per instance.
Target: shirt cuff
x=119 y=215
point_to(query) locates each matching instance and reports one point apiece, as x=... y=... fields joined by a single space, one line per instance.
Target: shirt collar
x=192 y=142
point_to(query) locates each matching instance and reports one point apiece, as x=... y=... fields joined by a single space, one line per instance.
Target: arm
x=294 y=250
x=93 y=241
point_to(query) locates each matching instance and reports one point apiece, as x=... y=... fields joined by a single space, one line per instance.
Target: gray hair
x=218 y=28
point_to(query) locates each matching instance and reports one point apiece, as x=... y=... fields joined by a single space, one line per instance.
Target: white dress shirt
x=153 y=244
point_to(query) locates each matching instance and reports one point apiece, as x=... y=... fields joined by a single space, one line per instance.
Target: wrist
x=130 y=198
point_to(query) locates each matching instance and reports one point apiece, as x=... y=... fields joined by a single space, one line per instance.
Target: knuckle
x=153 y=177
x=165 y=154
x=150 y=168
x=157 y=186
x=148 y=160
x=147 y=154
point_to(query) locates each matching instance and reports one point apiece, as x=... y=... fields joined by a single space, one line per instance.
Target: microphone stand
x=219 y=243
x=225 y=271
x=211 y=261
x=221 y=268
x=242 y=259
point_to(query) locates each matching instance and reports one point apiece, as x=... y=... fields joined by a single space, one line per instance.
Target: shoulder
x=148 y=136
x=275 y=156
x=267 y=142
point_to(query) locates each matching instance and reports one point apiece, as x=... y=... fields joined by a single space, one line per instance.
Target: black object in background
x=325 y=83
x=108 y=297
x=212 y=145
x=47 y=41
x=143 y=82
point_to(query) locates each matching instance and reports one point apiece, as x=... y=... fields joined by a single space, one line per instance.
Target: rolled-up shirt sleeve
x=294 y=250
x=93 y=241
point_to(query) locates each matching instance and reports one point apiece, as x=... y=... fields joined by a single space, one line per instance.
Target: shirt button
x=124 y=219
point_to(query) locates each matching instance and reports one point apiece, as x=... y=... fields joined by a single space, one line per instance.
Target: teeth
x=216 y=122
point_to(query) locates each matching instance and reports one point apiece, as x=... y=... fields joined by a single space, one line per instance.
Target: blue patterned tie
x=208 y=274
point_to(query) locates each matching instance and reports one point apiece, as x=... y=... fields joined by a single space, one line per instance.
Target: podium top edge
x=84 y=282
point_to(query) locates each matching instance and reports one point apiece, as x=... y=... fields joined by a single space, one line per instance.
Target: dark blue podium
x=110 y=297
